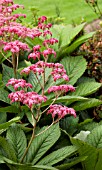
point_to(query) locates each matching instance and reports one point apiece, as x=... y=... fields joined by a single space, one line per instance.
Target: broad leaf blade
x=95 y=137
x=86 y=150
x=69 y=35
x=66 y=166
x=91 y=102
x=17 y=139
x=4 y=96
x=10 y=109
x=99 y=161
x=8 y=73
x=58 y=155
x=68 y=99
x=87 y=88
x=69 y=124
x=7 y=149
x=75 y=67
x=7 y=124
x=77 y=43
x=13 y=165
x=42 y=143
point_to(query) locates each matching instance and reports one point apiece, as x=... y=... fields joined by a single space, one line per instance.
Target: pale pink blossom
x=17 y=96
x=34 y=55
x=60 y=111
x=16 y=83
x=16 y=46
x=42 y=19
x=62 y=88
x=48 y=51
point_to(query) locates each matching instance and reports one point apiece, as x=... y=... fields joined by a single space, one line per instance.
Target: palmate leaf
x=87 y=88
x=86 y=150
x=58 y=155
x=91 y=102
x=95 y=137
x=42 y=143
x=17 y=139
x=75 y=67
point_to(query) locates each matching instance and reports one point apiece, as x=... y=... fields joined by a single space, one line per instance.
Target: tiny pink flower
x=60 y=111
x=42 y=19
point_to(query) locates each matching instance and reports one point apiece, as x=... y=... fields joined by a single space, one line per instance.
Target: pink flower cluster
x=16 y=83
x=21 y=31
x=58 y=70
x=43 y=26
x=48 y=51
x=27 y=98
x=5 y=2
x=50 y=41
x=60 y=111
x=16 y=46
x=62 y=88
x=6 y=12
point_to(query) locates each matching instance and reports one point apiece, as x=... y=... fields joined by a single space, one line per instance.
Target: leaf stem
x=31 y=139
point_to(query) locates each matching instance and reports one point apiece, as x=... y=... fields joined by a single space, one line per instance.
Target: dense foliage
x=44 y=99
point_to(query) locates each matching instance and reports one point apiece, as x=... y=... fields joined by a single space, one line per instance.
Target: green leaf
x=17 y=139
x=91 y=102
x=42 y=143
x=29 y=116
x=7 y=124
x=10 y=109
x=6 y=149
x=34 y=41
x=4 y=56
x=87 y=88
x=99 y=161
x=8 y=73
x=69 y=35
x=68 y=165
x=68 y=99
x=75 y=67
x=58 y=155
x=1 y=159
x=17 y=166
x=86 y=150
x=77 y=43
x=69 y=124
x=4 y=96
x=3 y=117
x=95 y=137
x=33 y=80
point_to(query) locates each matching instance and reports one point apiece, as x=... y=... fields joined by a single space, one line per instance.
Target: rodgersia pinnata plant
x=12 y=35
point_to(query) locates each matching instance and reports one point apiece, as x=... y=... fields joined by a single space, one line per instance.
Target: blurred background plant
x=94 y=5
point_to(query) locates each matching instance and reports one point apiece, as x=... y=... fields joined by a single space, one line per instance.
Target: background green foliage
x=71 y=10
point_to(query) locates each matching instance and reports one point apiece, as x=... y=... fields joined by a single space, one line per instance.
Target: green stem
x=31 y=139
